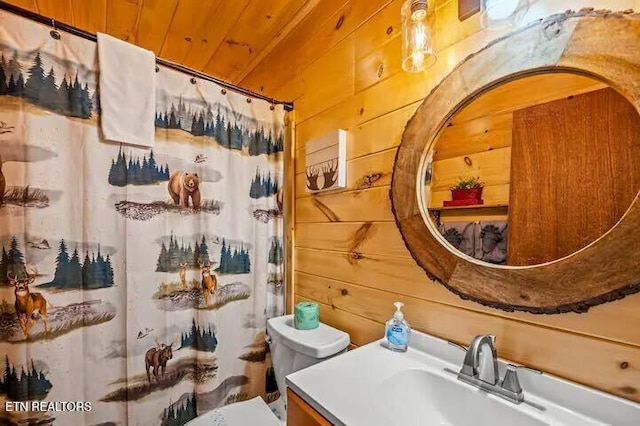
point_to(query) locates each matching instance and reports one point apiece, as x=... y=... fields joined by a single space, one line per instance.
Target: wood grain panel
x=479 y=135
x=398 y=273
x=474 y=215
x=26 y=4
x=449 y=29
x=378 y=65
x=491 y=166
x=251 y=33
x=60 y=10
x=308 y=7
x=346 y=206
x=402 y=88
x=392 y=52
x=398 y=91
x=330 y=67
x=90 y=15
x=575 y=173
x=383 y=27
x=324 y=29
x=518 y=94
x=210 y=35
x=601 y=322
x=362 y=173
x=386 y=25
x=155 y=18
x=300 y=413
x=188 y=21
x=381 y=238
x=265 y=77
x=379 y=45
x=371 y=137
x=122 y=18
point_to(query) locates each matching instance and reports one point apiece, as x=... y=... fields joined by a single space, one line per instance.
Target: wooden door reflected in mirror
x=533 y=170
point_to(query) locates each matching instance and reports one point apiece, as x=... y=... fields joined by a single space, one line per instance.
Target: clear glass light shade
x=502 y=14
x=417 y=47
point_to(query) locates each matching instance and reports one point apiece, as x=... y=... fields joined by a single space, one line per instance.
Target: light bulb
x=420 y=37
x=417 y=51
x=418 y=59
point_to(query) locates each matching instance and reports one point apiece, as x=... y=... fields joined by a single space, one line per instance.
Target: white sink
x=418 y=395
x=373 y=386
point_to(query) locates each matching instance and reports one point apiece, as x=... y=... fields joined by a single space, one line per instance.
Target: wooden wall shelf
x=472 y=206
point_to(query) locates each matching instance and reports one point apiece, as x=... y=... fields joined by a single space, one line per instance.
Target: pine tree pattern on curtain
x=151 y=272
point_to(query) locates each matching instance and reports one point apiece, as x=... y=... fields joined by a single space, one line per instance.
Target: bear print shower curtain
x=135 y=283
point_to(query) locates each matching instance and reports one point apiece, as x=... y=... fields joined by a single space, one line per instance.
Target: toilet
x=291 y=350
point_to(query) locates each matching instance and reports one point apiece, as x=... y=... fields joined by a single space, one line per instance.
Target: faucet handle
x=516 y=367
x=511 y=382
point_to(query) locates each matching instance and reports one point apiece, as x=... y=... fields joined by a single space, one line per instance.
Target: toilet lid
x=322 y=342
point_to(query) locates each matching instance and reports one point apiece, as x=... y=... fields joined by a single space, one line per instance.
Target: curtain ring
x=272 y=107
x=248 y=100
x=54 y=32
x=223 y=91
x=193 y=80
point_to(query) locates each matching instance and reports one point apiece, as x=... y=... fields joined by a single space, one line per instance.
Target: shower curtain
x=119 y=304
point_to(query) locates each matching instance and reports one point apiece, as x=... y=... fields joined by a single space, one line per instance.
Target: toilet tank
x=293 y=350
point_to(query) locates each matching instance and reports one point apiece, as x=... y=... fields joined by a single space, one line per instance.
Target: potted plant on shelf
x=467 y=192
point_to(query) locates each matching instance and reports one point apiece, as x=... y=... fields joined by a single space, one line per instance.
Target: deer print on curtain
x=137 y=280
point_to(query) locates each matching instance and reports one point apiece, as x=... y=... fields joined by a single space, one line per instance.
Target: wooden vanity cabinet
x=299 y=413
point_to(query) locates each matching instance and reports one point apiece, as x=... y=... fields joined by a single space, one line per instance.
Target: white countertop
x=351 y=389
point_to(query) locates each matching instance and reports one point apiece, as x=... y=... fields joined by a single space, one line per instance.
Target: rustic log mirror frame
x=599 y=44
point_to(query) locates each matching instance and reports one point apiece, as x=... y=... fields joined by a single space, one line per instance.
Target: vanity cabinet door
x=299 y=413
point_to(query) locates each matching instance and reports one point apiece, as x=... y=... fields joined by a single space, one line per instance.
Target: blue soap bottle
x=397 y=330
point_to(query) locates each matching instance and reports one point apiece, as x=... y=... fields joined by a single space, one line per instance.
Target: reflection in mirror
x=533 y=170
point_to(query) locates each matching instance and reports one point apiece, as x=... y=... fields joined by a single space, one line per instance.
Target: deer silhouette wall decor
x=326 y=162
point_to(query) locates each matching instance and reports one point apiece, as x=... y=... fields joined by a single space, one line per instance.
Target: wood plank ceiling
x=256 y=44
x=223 y=38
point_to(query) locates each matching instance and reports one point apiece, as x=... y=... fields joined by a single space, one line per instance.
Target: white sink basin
x=372 y=386
x=418 y=397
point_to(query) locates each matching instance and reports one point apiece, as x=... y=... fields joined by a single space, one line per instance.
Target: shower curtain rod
x=288 y=106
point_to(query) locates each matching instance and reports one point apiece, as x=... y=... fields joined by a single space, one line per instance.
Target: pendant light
x=502 y=14
x=417 y=46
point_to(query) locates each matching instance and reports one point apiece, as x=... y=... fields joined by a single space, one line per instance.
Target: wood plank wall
x=342 y=68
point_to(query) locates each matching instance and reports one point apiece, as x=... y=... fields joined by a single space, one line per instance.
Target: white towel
x=127 y=91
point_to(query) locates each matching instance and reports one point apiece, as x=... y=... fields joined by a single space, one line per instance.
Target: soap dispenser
x=397 y=330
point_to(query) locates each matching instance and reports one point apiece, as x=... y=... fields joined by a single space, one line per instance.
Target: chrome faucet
x=475 y=361
x=471 y=364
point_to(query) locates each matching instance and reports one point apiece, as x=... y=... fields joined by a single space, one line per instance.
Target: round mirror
x=555 y=226
x=532 y=170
